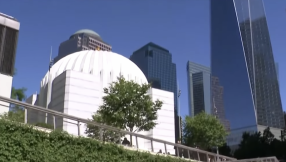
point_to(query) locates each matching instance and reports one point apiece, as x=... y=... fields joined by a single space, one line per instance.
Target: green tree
x=102 y=134
x=18 y=94
x=225 y=150
x=260 y=145
x=204 y=131
x=127 y=105
x=250 y=146
x=16 y=115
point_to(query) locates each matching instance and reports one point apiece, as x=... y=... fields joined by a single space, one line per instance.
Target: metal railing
x=266 y=159
x=189 y=152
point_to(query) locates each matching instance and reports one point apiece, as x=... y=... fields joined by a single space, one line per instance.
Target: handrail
x=259 y=159
x=56 y=113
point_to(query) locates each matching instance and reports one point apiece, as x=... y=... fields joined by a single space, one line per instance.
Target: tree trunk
x=130 y=140
x=131 y=130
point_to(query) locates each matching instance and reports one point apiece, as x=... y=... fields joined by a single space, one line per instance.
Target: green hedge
x=22 y=143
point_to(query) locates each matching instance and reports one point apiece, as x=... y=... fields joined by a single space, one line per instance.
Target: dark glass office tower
x=242 y=60
x=199 y=89
x=156 y=63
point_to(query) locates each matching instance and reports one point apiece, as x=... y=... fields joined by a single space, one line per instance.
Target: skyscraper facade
x=242 y=59
x=217 y=103
x=156 y=63
x=277 y=70
x=9 y=30
x=199 y=89
x=84 y=39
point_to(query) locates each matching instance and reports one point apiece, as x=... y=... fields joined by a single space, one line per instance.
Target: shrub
x=44 y=125
x=20 y=142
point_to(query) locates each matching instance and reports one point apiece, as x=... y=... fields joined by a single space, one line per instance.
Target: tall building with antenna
x=9 y=30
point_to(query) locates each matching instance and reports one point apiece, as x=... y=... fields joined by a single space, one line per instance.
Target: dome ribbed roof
x=103 y=63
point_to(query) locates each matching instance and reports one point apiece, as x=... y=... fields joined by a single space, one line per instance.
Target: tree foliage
x=102 y=134
x=44 y=125
x=20 y=142
x=204 y=131
x=18 y=94
x=128 y=106
x=17 y=114
x=260 y=145
x=225 y=150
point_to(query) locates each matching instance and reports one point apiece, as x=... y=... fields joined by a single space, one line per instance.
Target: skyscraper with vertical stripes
x=242 y=59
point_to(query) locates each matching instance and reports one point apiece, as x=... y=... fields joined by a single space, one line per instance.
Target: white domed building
x=74 y=86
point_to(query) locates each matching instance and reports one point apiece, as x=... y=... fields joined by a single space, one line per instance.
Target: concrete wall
x=77 y=94
x=5 y=91
x=9 y=22
x=165 y=129
x=32 y=115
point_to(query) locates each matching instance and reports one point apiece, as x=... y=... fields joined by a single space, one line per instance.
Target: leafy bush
x=44 y=125
x=20 y=142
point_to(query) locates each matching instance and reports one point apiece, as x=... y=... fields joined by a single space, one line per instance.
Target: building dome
x=104 y=63
x=87 y=31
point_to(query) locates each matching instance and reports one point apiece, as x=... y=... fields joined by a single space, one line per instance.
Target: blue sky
x=180 y=26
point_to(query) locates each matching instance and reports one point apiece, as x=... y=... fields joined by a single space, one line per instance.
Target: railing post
x=208 y=160
x=101 y=134
x=152 y=147
x=54 y=122
x=26 y=116
x=198 y=156
x=136 y=138
x=165 y=148
x=189 y=154
x=177 y=148
x=78 y=128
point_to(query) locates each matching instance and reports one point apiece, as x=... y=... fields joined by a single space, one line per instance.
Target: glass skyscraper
x=242 y=59
x=156 y=63
x=199 y=89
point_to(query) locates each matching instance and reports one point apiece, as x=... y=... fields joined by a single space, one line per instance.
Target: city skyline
x=178 y=41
